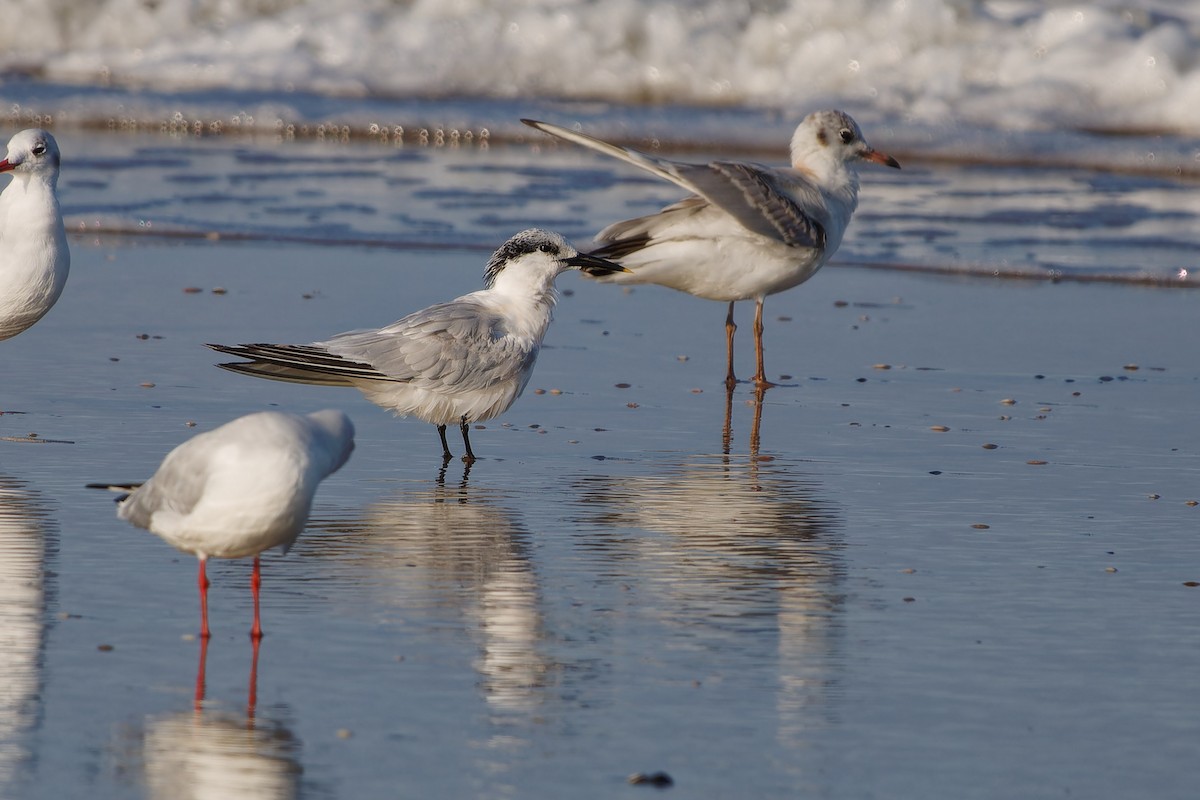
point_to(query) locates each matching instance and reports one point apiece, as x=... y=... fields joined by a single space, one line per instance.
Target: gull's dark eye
x=846 y=135
x=39 y=149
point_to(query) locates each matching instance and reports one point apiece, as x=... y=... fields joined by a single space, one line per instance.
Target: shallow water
x=817 y=594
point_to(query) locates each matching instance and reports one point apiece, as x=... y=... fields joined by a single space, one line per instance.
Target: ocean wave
x=1015 y=65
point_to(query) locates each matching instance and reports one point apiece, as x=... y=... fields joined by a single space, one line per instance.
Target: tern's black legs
x=446 y=454
x=730 y=329
x=469 y=457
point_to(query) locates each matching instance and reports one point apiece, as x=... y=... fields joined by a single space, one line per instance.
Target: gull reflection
x=745 y=519
x=195 y=755
x=27 y=535
x=212 y=753
x=755 y=425
x=458 y=549
x=739 y=551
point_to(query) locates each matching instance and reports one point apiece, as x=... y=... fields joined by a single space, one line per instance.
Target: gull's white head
x=339 y=432
x=536 y=255
x=832 y=138
x=32 y=152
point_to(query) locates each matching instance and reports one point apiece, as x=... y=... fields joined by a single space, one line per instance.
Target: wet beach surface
x=948 y=556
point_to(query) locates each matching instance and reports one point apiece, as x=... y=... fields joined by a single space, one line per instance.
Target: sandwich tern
x=459 y=362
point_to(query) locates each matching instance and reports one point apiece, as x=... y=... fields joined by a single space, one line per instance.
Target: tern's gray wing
x=296 y=363
x=462 y=345
x=752 y=195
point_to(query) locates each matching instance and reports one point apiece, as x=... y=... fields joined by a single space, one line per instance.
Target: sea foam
x=1011 y=65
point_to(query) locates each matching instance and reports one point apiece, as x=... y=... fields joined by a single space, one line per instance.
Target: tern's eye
x=39 y=149
x=846 y=135
x=548 y=248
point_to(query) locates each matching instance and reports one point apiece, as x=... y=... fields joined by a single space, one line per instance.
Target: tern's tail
x=294 y=364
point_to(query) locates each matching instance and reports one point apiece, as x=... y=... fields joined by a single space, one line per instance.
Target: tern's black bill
x=594 y=265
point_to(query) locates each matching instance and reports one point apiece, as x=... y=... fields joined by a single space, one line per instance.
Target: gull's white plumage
x=452 y=363
x=239 y=489
x=34 y=258
x=747 y=230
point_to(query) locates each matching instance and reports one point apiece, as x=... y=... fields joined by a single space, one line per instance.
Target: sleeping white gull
x=240 y=489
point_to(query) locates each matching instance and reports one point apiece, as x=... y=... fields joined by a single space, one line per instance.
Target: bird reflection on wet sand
x=450 y=547
x=723 y=545
x=216 y=753
x=28 y=536
x=755 y=425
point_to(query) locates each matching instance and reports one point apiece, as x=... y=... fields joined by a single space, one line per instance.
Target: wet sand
x=954 y=558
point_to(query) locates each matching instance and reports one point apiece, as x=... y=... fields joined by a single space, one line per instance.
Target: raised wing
x=778 y=204
x=753 y=196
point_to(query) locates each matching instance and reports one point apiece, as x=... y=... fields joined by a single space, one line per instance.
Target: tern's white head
x=32 y=152
x=827 y=140
x=534 y=258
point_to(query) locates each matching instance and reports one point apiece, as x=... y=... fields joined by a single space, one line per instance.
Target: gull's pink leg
x=202 y=580
x=760 y=378
x=199 y=699
x=252 y=696
x=756 y=426
x=727 y=431
x=256 y=582
x=730 y=329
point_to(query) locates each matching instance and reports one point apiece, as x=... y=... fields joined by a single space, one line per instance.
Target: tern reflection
x=28 y=534
x=453 y=548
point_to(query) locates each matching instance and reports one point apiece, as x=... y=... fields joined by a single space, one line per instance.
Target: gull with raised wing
x=459 y=362
x=239 y=490
x=34 y=259
x=747 y=230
